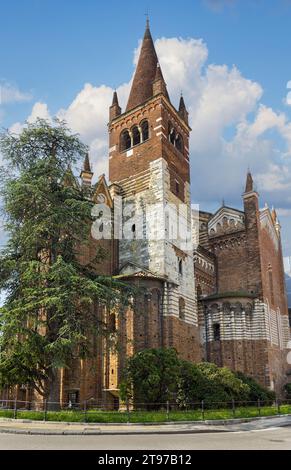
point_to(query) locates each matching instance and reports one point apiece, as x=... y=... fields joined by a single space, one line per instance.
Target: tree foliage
x=208 y=382
x=257 y=391
x=49 y=315
x=153 y=376
x=287 y=390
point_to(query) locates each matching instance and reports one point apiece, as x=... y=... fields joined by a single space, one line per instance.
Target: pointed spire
x=147 y=30
x=182 y=106
x=142 y=85
x=115 y=109
x=115 y=99
x=182 y=110
x=87 y=166
x=159 y=84
x=249 y=183
x=86 y=174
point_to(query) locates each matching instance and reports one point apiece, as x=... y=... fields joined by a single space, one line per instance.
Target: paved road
x=272 y=438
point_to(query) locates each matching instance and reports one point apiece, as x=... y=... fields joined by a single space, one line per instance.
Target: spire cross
x=147 y=18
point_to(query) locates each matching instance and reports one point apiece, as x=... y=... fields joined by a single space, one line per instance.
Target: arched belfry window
x=145 y=130
x=179 y=143
x=175 y=138
x=125 y=140
x=172 y=134
x=135 y=135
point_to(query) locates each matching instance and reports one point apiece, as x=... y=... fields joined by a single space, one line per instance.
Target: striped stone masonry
x=246 y=321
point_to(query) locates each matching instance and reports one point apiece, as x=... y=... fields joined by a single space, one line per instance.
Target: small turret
x=274 y=215
x=86 y=174
x=159 y=84
x=183 y=111
x=115 y=109
x=249 y=183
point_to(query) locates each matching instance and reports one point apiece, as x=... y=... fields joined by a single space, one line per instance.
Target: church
x=212 y=285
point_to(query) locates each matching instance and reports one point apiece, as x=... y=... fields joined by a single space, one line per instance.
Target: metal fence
x=97 y=412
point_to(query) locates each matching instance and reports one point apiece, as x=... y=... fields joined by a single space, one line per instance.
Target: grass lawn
x=96 y=416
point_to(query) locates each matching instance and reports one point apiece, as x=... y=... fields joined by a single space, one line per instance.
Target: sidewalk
x=61 y=428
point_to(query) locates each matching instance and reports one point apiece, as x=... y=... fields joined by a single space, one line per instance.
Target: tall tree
x=50 y=311
x=151 y=377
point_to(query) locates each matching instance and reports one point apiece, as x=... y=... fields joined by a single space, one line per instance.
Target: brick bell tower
x=149 y=164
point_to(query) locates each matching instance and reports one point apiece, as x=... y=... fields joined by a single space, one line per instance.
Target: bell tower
x=150 y=127
x=149 y=162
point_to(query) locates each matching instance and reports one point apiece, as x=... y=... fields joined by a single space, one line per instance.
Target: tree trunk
x=53 y=395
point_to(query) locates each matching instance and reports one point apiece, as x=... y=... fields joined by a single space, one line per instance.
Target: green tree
x=287 y=390
x=49 y=315
x=256 y=390
x=206 y=381
x=151 y=377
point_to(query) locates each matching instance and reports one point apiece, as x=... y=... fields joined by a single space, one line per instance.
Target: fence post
x=233 y=408
x=278 y=407
x=127 y=410
x=168 y=410
x=15 y=409
x=85 y=411
x=45 y=410
x=259 y=406
x=202 y=410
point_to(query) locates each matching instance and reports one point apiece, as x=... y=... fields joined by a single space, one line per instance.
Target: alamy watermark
x=143 y=221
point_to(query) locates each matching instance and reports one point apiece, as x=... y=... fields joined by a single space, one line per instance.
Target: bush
x=287 y=390
x=256 y=390
x=208 y=382
x=155 y=376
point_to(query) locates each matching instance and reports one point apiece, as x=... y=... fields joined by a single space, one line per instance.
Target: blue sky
x=51 y=49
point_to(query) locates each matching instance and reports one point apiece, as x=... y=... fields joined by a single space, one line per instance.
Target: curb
x=162 y=428
x=108 y=433
x=217 y=422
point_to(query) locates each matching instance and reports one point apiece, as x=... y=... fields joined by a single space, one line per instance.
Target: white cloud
x=16 y=128
x=88 y=115
x=181 y=61
x=12 y=94
x=39 y=110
